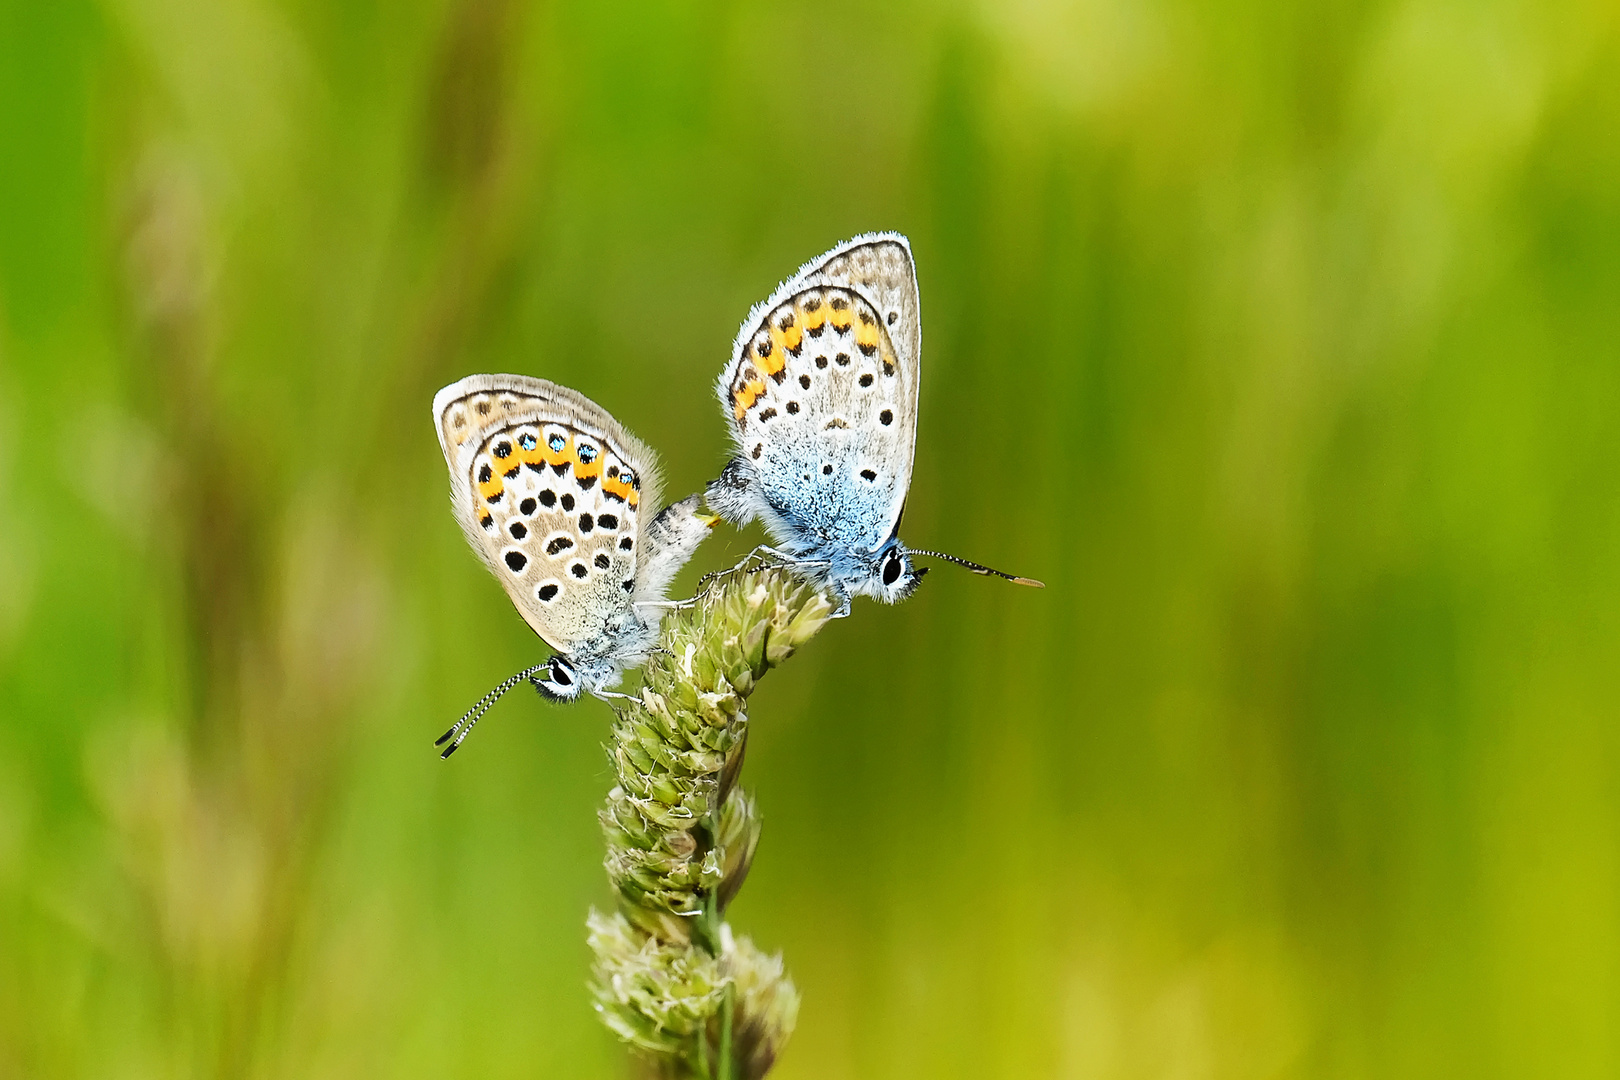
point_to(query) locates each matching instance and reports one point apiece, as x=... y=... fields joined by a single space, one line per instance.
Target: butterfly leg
x=782 y=558
x=668 y=605
x=716 y=575
x=764 y=557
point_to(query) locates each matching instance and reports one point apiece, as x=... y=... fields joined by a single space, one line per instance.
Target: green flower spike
x=670 y=978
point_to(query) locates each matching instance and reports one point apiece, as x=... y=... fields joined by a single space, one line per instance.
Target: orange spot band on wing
x=777 y=360
x=558 y=457
x=747 y=394
x=612 y=485
x=866 y=335
x=791 y=338
x=584 y=471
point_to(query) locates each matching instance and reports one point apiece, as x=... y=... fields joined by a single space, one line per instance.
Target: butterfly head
x=559 y=680
x=563 y=679
x=891 y=576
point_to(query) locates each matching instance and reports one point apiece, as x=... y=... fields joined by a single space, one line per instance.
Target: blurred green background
x=1281 y=339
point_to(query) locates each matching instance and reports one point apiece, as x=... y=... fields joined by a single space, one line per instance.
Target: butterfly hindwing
x=549 y=490
x=821 y=392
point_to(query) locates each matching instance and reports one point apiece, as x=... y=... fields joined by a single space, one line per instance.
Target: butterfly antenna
x=463 y=726
x=978 y=568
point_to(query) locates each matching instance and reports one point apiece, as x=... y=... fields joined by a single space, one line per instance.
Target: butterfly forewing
x=822 y=389
x=549 y=490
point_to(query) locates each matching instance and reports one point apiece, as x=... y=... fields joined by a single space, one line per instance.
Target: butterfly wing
x=549 y=490
x=821 y=394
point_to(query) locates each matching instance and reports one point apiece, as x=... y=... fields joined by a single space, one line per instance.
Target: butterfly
x=821 y=399
x=557 y=499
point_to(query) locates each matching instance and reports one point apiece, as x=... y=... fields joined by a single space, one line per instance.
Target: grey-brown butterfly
x=557 y=499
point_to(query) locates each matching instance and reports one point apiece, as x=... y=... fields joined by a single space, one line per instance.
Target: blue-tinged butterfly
x=821 y=399
x=558 y=501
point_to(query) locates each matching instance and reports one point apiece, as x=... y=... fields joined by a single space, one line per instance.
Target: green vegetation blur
x=1282 y=340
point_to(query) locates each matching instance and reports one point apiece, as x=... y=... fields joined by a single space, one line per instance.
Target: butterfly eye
x=891 y=569
x=559 y=673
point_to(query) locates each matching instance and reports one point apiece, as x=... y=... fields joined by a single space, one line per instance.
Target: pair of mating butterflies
x=821 y=398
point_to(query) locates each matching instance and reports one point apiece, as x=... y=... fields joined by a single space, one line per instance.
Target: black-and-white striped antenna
x=979 y=568
x=476 y=713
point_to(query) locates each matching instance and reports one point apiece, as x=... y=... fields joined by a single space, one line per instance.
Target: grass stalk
x=670 y=978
